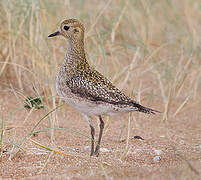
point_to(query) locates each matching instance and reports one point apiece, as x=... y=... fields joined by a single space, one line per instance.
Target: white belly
x=82 y=105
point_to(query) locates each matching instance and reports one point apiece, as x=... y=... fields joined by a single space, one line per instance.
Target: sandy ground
x=176 y=143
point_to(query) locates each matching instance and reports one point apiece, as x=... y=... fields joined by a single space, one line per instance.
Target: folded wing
x=95 y=87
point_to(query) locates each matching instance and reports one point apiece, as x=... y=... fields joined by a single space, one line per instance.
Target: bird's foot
x=96 y=153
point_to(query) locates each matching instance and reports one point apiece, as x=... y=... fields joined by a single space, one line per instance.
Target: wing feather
x=95 y=87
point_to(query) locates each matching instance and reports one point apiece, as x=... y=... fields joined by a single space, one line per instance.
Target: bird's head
x=70 y=29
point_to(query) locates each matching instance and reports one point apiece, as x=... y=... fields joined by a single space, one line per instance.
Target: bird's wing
x=97 y=88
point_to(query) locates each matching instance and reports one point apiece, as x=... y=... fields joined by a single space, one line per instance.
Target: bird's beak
x=55 y=34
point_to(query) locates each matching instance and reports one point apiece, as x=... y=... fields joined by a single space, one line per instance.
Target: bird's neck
x=76 y=48
x=75 y=51
x=75 y=57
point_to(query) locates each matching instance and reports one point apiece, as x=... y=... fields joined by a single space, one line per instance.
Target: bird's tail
x=143 y=109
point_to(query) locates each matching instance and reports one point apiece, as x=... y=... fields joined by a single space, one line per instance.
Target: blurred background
x=150 y=49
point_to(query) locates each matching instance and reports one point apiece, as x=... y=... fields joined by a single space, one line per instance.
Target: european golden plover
x=84 y=88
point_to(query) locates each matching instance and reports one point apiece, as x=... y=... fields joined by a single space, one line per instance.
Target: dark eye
x=66 y=28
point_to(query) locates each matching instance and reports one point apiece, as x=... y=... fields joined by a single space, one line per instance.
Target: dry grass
x=151 y=49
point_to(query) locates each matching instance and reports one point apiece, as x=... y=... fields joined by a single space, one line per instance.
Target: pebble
x=138 y=137
x=104 y=150
x=87 y=148
x=158 y=151
x=156 y=159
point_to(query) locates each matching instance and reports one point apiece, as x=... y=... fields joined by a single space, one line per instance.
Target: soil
x=169 y=150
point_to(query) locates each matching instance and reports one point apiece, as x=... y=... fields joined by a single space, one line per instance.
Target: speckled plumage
x=83 y=87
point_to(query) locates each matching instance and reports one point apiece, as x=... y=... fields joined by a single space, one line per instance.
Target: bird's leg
x=99 y=137
x=92 y=133
x=92 y=139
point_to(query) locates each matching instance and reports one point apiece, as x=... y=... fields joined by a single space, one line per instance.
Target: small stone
x=158 y=151
x=75 y=149
x=86 y=148
x=122 y=140
x=156 y=159
x=138 y=137
x=104 y=150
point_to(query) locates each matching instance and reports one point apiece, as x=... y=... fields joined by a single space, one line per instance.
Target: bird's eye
x=66 y=28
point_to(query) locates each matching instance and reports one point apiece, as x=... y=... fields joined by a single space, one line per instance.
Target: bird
x=84 y=88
